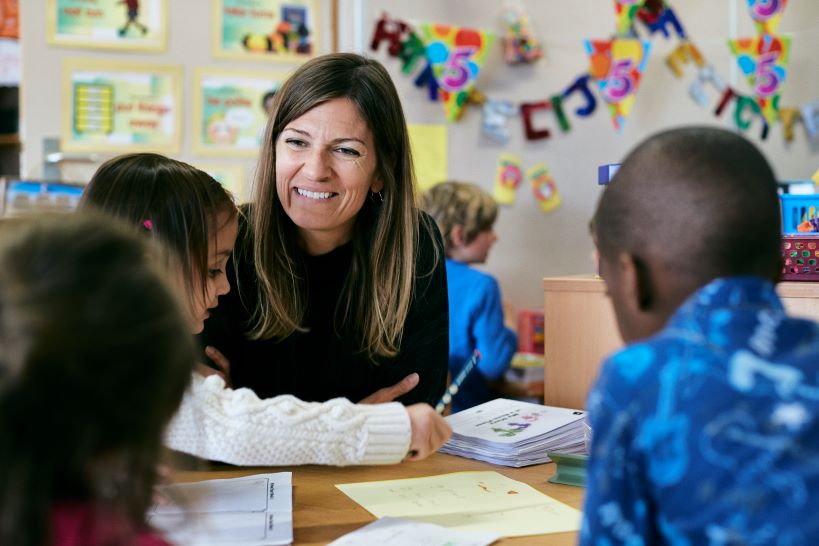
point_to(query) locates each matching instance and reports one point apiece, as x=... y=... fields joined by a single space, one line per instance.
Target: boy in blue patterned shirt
x=706 y=426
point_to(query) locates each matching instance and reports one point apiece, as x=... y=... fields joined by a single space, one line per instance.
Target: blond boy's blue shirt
x=708 y=432
x=476 y=322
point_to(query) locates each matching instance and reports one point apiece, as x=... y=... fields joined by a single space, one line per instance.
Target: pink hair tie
x=147 y=224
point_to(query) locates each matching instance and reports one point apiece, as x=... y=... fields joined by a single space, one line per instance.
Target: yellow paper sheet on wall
x=430 y=153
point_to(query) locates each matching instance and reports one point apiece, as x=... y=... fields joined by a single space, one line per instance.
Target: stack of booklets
x=514 y=433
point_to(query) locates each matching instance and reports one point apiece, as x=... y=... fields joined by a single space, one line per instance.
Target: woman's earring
x=379 y=194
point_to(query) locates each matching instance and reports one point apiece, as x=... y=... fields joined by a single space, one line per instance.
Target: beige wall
x=531 y=245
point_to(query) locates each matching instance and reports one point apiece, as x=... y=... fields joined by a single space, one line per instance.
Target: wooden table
x=322 y=513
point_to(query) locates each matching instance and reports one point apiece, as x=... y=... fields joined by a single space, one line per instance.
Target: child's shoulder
x=466 y=273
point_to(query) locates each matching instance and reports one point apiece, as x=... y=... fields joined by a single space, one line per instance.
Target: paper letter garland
x=617 y=65
x=456 y=55
x=764 y=61
x=766 y=14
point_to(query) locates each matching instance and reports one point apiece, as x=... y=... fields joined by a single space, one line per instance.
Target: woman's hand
x=429 y=431
x=388 y=394
x=221 y=363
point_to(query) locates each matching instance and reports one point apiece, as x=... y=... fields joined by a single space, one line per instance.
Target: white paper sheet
x=252 y=510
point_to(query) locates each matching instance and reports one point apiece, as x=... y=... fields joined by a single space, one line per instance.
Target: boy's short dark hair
x=701 y=200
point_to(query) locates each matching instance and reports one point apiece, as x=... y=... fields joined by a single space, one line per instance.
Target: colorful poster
x=766 y=14
x=507 y=179
x=274 y=30
x=229 y=117
x=617 y=66
x=764 y=61
x=430 y=155
x=625 y=11
x=107 y=24
x=544 y=187
x=456 y=55
x=231 y=176
x=120 y=107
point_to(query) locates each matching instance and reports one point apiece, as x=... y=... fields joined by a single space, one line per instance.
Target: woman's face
x=325 y=169
x=215 y=281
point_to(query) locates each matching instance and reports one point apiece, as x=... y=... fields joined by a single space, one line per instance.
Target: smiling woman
x=341 y=286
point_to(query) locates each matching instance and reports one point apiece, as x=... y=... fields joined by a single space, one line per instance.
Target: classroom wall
x=531 y=244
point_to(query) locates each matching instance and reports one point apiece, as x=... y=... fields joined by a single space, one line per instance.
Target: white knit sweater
x=236 y=427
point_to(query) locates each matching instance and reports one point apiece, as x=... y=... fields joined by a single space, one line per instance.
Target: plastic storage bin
x=797 y=209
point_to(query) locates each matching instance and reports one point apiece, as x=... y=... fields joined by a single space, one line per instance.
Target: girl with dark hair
x=94 y=358
x=195 y=220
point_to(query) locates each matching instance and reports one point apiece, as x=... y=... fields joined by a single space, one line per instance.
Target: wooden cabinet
x=580 y=330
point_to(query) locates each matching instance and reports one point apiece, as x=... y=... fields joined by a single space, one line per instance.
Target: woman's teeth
x=314 y=194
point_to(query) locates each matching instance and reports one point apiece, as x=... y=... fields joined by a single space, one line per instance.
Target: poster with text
x=275 y=30
x=229 y=118
x=120 y=107
x=140 y=25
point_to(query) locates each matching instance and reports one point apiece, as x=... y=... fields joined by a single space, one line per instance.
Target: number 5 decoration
x=764 y=61
x=766 y=14
x=617 y=66
x=456 y=55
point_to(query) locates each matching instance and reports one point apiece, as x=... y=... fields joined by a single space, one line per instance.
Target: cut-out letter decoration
x=557 y=106
x=727 y=95
x=412 y=49
x=684 y=53
x=526 y=111
x=764 y=61
x=544 y=187
x=657 y=15
x=744 y=103
x=507 y=179
x=427 y=79
x=495 y=114
x=456 y=55
x=810 y=118
x=766 y=14
x=617 y=66
x=788 y=116
x=705 y=75
x=391 y=30
x=581 y=85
